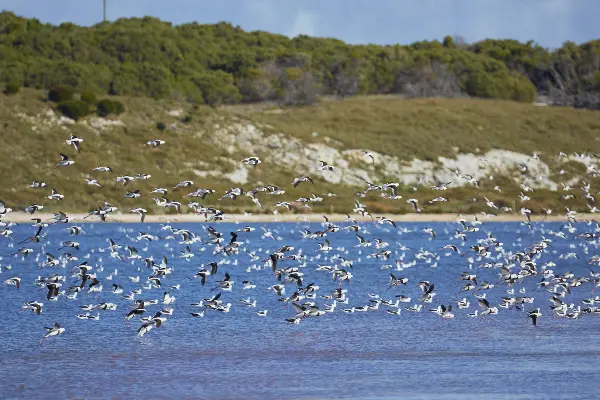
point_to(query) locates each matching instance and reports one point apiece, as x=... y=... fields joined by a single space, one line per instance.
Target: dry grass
x=428 y=128
x=424 y=129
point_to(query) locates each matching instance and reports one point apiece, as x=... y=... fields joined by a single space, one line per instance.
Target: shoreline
x=21 y=217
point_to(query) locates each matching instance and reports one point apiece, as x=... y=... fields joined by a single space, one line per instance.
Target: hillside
x=417 y=143
x=223 y=64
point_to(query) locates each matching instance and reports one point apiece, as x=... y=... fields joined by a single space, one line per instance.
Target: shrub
x=60 y=94
x=74 y=109
x=88 y=97
x=161 y=126
x=187 y=119
x=119 y=107
x=12 y=88
x=106 y=107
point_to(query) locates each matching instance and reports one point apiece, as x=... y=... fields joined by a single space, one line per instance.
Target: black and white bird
x=37 y=185
x=33 y=208
x=141 y=211
x=56 y=196
x=301 y=179
x=15 y=281
x=251 y=161
x=394 y=281
x=92 y=182
x=132 y=195
x=34 y=306
x=534 y=315
x=155 y=143
x=54 y=331
x=64 y=161
x=3 y=209
x=323 y=166
x=102 y=169
x=184 y=184
x=75 y=142
x=415 y=204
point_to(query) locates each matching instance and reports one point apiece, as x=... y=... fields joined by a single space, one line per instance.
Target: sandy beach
x=21 y=217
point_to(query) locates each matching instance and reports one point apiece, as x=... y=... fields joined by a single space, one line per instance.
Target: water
x=371 y=355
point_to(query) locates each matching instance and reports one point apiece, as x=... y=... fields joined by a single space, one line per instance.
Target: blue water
x=367 y=355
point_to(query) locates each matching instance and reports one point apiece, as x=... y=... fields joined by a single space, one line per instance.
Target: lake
x=340 y=355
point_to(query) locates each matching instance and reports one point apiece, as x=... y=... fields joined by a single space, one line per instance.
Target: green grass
x=423 y=129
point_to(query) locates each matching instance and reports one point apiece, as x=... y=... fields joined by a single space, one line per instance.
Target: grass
x=428 y=128
x=424 y=128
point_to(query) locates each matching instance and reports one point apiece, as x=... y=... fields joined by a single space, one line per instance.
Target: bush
x=60 y=94
x=12 y=88
x=88 y=97
x=187 y=119
x=119 y=107
x=74 y=109
x=161 y=126
x=106 y=107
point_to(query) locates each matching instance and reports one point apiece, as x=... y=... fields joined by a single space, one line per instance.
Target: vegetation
x=429 y=128
x=74 y=109
x=106 y=107
x=60 y=94
x=88 y=97
x=11 y=88
x=222 y=64
x=407 y=128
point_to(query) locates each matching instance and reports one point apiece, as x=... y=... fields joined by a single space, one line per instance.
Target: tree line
x=222 y=64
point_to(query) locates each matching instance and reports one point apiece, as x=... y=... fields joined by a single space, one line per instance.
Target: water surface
x=369 y=355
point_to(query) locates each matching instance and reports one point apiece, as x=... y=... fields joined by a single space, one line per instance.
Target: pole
x=104 y=9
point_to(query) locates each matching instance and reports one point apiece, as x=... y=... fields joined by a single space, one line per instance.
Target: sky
x=548 y=22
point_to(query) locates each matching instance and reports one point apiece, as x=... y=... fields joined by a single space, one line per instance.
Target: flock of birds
x=142 y=288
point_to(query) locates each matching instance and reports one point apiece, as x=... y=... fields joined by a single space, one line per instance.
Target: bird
x=15 y=281
x=92 y=182
x=38 y=185
x=64 y=161
x=35 y=306
x=251 y=161
x=55 y=195
x=141 y=211
x=3 y=209
x=132 y=195
x=103 y=169
x=415 y=204
x=301 y=179
x=54 y=331
x=75 y=142
x=534 y=315
x=323 y=166
x=184 y=184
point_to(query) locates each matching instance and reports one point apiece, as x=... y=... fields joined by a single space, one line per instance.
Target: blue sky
x=548 y=22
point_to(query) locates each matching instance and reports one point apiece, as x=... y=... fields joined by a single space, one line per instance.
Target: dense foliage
x=106 y=107
x=60 y=94
x=74 y=109
x=88 y=97
x=11 y=88
x=220 y=63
